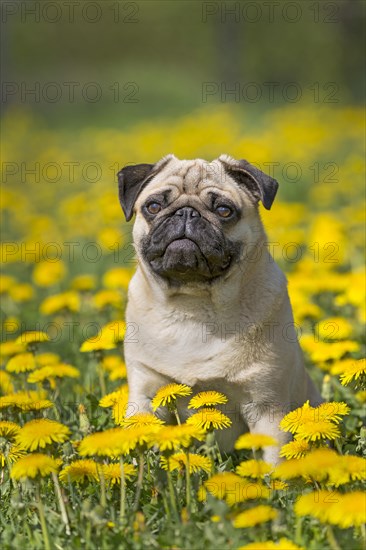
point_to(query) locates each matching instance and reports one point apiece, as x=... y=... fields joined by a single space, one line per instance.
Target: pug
x=208 y=305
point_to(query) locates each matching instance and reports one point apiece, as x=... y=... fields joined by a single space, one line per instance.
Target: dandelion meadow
x=80 y=471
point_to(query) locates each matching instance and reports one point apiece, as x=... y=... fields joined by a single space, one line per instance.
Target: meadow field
x=75 y=473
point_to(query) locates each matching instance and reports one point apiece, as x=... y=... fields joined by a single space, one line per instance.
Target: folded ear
x=133 y=179
x=260 y=186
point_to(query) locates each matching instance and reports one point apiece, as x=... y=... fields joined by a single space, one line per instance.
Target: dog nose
x=187 y=212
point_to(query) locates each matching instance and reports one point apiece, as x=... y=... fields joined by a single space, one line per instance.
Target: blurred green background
x=151 y=59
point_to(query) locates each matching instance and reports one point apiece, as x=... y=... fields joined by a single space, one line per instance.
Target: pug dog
x=208 y=305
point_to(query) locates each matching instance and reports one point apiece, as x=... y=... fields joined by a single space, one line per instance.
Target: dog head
x=193 y=218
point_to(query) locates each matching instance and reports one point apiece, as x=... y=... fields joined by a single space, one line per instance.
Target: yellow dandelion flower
x=119 y=373
x=83 y=283
x=178 y=461
x=65 y=301
x=254 y=468
x=37 y=434
x=112 y=472
x=115 y=330
x=278 y=485
x=334 y=351
x=291 y=421
x=26 y=401
x=9 y=430
x=339 y=367
x=114 y=362
x=51 y=372
x=168 y=394
x=349 y=511
x=107 y=298
x=255 y=516
x=331 y=411
x=114 y=397
x=6 y=383
x=353 y=372
x=115 y=441
x=22 y=292
x=317 y=430
x=46 y=274
x=98 y=342
x=117 y=277
x=333 y=328
x=282 y=544
x=79 y=471
x=22 y=362
x=317 y=465
x=254 y=441
x=343 y=510
x=13 y=347
x=142 y=419
x=295 y=449
x=169 y=438
x=208 y=418
x=360 y=395
x=348 y=468
x=14 y=453
x=235 y=489
x=32 y=337
x=46 y=359
x=207 y=399
x=33 y=465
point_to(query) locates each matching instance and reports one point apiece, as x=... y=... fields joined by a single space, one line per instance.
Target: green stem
x=123 y=492
x=103 y=497
x=42 y=518
x=171 y=492
x=188 y=486
x=139 y=482
x=177 y=416
x=65 y=519
x=101 y=379
x=331 y=539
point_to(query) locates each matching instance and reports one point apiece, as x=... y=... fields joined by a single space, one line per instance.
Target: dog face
x=194 y=219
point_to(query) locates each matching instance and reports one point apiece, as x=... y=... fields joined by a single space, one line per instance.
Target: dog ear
x=260 y=186
x=133 y=179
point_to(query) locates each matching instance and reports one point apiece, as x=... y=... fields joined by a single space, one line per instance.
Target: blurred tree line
x=155 y=58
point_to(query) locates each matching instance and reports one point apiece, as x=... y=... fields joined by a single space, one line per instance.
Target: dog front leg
x=266 y=420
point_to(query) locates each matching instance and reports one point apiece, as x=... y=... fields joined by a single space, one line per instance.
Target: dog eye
x=153 y=207
x=224 y=211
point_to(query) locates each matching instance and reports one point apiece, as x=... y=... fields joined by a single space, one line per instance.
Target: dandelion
x=14 y=453
x=114 y=397
x=295 y=449
x=65 y=301
x=331 y=411
x=207 y=399
x=142 y=419
x=353 y=372
x=333 y=328
x=256 y=441
x=343 y=510
x=9 y=430
x=6 y=383
x=115 y=441
x=26 y=400
x=46 y=359
x=97 y=343
x=51 y=372
x=255 y=516
x=32 y=337
x=317 y=430
x=208 y=419
x=168 y=395
x=235 y=489
x=254 y=468
x=117 y=277
x=22 y=362
x=177 y=461
x=107 y=298
x=112 y=472
x=13 y=347
x=282 y=544
x=21 y=292
x=37 y=434
x=79 y=471
x=115 y=329
x=169 y=438
x=115 y=366
x=47 y=274
x=295 y=418
x=35 y=464
x=83 y=283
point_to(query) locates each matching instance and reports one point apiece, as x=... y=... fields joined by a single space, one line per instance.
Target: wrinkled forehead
x=193 y=177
